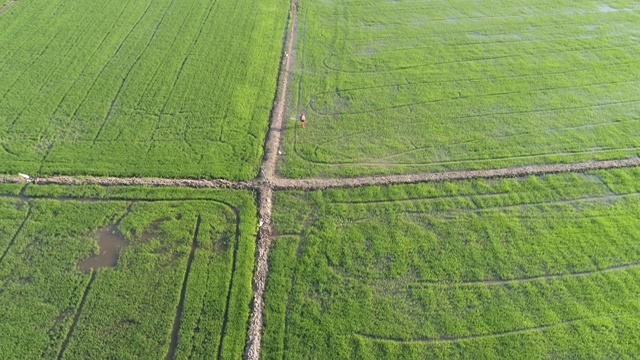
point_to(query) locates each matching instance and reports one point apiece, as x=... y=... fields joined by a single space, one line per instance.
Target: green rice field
x=138 y=88
x=538 y=267
x=124 y=273
x=405 y=86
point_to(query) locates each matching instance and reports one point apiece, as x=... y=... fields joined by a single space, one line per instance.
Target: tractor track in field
x=16 y=234
x=225 y=322
x=76 y=317
x=173 y=345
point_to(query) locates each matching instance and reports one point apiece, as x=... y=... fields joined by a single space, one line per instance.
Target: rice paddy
x=138 y=88
x=396 y=87
x=538 y=267
x=124 y=273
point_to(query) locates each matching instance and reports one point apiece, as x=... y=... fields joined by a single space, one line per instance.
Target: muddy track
x=173 y=345
x=276 y=121
x=76 y=317
x=265 y=188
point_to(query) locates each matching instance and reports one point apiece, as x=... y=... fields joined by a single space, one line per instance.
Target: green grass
x=539 y=267
x=407 y=86
x=138 y=88
x=129 y=311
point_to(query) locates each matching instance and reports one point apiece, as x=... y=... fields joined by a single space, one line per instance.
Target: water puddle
x=605 y=8
x=110 y=242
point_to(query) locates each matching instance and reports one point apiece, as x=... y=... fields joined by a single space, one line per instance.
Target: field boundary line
x=265 y=188
x=279 y=183
x=7 y=6
x=509 y=172
x=223 y=331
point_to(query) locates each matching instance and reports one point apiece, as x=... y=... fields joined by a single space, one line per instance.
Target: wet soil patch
x=152 y=231
x=110 y=242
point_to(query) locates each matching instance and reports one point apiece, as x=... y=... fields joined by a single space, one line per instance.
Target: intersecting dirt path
x=266 y=179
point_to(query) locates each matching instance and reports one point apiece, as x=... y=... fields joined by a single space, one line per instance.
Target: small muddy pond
x=110 y=242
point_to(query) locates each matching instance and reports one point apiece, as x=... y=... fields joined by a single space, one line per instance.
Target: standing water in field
x=110 y=241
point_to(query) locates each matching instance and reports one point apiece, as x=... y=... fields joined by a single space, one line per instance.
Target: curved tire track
x=467 y=338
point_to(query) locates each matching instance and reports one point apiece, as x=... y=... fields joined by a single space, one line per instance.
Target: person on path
x=302 y=120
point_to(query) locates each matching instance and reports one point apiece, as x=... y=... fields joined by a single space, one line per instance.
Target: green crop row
x=138 y=88
x=184 y=262
x=414 y=86
x=519 y=268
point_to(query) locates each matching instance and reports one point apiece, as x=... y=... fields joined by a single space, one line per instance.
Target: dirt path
x=7 y=6
x=254 y=336
x=265 y=189
x=276 y=121
x=277 y=183
x=314 y=184
x=113 y=181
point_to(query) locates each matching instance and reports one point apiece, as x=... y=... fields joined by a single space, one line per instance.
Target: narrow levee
x=254 y=336
x=264 y=186
x=272 y=141
x=315 y=184
x=278 y=183
x=173 y=345
x=7 y=6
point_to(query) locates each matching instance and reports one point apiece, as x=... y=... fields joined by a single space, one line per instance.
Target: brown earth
x=7 y=6
x=278 y=183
